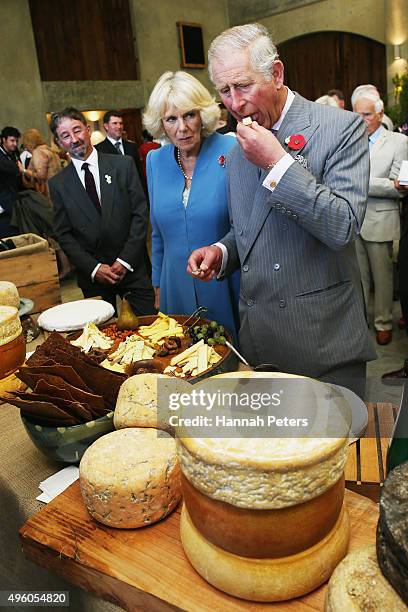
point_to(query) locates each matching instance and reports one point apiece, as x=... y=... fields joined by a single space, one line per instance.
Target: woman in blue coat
x=188 y=196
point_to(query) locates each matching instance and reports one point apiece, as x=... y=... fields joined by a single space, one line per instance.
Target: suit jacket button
x=240 y=232
x=283 y=210
x=250 y=303
x=276 y=266
x=282 y=303
x=245 y=268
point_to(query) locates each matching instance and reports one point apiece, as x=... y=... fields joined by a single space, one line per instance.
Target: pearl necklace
x=188 y=178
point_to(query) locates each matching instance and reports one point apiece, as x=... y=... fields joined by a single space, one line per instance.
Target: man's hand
x=402 y=188
x=106 y=275
x=205 y=263
x=118 y=269
x=20 y=167
x=259 y=145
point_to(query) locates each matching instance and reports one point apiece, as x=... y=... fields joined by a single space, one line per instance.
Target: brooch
x=222 y=160
x=295 y=142
x=108 y=179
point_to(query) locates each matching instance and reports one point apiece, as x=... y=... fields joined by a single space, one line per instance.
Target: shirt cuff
x=96 y=268
x=224 y=258
x=125 y=264
x=272 y=179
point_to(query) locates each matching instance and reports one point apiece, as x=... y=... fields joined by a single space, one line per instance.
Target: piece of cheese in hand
x=247 y=121
x=130 y=478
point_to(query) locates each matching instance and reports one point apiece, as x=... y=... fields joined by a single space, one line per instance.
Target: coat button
x=240 y=232
x=250 y=303
x=282 y=303
x=276 y=266
x=283 y=210
x=245 y=268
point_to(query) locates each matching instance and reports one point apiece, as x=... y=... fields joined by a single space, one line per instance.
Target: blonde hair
x=32 y=138
x=184 y=92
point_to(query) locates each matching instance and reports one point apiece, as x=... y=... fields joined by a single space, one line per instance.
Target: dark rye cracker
x=44 y=387
x=66 y=372
x=71 y=408
x=40 y=408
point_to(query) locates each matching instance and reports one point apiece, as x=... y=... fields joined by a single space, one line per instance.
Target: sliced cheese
x=9 y=294
x=187 y=353
x=130 y=478
x=10 y=325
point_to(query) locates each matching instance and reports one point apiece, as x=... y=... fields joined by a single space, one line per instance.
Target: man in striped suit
x=298 y=188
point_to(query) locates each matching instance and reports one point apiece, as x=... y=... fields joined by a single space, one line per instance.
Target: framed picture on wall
x=192 y=46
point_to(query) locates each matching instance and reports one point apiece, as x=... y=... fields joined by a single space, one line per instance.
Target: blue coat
x=177 y=231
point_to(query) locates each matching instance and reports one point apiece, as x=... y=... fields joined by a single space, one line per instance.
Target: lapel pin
x=108 y=179
x=222 y=160
x=295 y=142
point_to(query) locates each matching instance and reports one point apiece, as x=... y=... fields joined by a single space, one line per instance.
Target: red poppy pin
x=295 y=142
x=222 y=161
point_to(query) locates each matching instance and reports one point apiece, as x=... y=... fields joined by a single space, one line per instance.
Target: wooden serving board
x=145 y=569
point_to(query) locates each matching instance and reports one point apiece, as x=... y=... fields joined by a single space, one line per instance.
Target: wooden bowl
x=12 y=356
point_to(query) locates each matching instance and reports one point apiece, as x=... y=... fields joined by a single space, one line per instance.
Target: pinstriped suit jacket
x=301 y=303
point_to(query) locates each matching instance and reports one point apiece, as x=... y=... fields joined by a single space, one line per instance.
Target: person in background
x=34 y=213
x=147 y=145
x=11 y=170
x=116 y=144
x=327 y=101
x=368 y=88
x=338 y=96
x=188 y=196
x=297 y=187
x=381 y=224
x=101 y=217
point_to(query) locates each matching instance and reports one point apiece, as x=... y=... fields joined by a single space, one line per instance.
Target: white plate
x=74 y=315
x=359 y=412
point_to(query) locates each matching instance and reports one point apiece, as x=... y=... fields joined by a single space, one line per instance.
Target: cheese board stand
x=146 y=568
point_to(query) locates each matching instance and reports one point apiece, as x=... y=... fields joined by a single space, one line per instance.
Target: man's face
x=114 y=127
x=10 y=144
x=245 y=92
x=366 y=109
x=74 y=137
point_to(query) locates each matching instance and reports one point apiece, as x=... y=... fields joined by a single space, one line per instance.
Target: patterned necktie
x=91 y=187
x=117 y=146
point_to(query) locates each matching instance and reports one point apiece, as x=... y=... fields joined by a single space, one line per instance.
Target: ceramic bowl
x=67 y=444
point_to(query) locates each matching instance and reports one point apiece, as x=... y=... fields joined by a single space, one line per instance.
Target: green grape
x=214 y=324
x=211 y=342
x=222 y=340
x=221 y=329
x=196 y=329
x=199 y=336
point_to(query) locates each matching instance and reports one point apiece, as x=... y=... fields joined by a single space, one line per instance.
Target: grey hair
x=368 y=88
x=252 y=36
x=369 y=94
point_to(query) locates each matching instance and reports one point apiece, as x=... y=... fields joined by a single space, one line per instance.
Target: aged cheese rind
x=394 y=512
x=358 y=585
x=10 y=325
x=137 y=402
x=261 y=488
x=265 y=579
x=395 y=572
x=131 y=478
x=9 y=295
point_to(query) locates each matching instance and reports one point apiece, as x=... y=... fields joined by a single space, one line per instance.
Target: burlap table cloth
x=22 y=468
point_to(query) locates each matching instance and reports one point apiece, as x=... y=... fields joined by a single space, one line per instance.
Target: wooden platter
x=145 y=569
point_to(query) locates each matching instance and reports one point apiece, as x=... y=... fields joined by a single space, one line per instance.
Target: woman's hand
x=157 y=298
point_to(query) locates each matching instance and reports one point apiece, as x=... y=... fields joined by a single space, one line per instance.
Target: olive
x=204 y=329
x=211 y=342
x=214 y=324
x=221 y=329
x=222 y=340
x=200 y=336
x=196 y=329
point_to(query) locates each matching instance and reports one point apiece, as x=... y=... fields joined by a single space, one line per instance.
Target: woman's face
x=183 y=129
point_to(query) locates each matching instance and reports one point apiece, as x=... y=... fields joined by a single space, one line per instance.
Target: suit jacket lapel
x=107 y=178
x=79 y=196
x=296 y=121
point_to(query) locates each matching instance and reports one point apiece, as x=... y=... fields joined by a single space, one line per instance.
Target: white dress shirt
x=113 y=141
x=93 y=166
x=273 y=177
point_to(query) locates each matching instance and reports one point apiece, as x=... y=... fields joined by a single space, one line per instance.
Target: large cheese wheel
x=265 y=579
x=137 y=403
x=130 y=478
x=9 y=294
x=357 y=585
x=264 y=473
x=264 y=533
x=12 y=343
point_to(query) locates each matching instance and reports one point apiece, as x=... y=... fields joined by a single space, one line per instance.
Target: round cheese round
x=130 y=478
x=268 y=472
x=265 y=579
x=10 y=325
x=357 y=585
x=9 y=294
x=137 y=402
x=263 y=533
